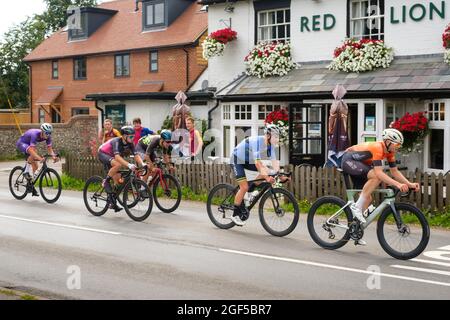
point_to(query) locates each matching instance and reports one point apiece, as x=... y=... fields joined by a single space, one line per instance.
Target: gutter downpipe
x=211 y=111
x=187 y=66
x=102 y=112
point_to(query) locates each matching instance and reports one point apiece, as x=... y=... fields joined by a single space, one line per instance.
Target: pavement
x=60 y=251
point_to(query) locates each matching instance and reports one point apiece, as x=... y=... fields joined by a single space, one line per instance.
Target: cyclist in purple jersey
x=111 y=154
x=27 y=145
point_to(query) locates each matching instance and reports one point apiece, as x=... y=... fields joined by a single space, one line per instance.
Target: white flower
x=447 y=56
x=212 y=47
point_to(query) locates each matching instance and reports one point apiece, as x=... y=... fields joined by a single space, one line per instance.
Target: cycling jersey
x=251 y=149
x=111 y=135
x=153 y=144
x=30 y=139
x=373 y=154
x=116 y=146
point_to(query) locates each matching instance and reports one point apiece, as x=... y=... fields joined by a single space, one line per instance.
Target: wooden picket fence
x=308 y=183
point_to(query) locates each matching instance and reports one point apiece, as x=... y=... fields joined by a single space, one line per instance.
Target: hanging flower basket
x=215 y=43
x=280 y=118
x=361 y=56
x=270 y=59
x=414 y=128
x=446 y=44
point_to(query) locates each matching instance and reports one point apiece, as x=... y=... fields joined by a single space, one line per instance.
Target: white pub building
x=418 y=79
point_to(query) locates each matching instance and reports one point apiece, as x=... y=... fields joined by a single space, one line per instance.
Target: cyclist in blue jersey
x=248 y=155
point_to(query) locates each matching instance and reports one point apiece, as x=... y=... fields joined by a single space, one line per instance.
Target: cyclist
x=148 y=146
x=27 y=145
x=248 y=155
x=112 y=154
x=364 y=163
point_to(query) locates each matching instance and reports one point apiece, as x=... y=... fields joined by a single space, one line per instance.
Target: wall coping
x=69 y=124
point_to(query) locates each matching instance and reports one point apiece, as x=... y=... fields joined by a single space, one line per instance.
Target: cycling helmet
x=127 y=130
x=166 y=135
x=271 y=128
x=393 y=135
x=47 y=128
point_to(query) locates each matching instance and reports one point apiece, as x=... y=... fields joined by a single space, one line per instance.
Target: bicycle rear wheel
x=95 y=197
x=220 y=205
x=408 y=241
x=137 y=200
x=50 y=185
x=167 y=193
x=18 y=185
x=278 y=212
x=329 y=234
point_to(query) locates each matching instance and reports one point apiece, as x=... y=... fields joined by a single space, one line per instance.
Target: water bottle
x=247 y=199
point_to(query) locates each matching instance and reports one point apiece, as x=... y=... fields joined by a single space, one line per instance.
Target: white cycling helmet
x=393 y=135
x=47 y=128
x=271 y=128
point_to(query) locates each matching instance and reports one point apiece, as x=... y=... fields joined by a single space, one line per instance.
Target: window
x=227 y=112
x=56 y=117
x=55 y=70
x=366 y=19
x=274 y=25
x=243 y=112
x=436 y=154
x=80 y=111
x=154 y=14
x=41 y=115
x=394 y=111
x=264 y=110
x=81 y=33
x=154 y=61
x=369 y=117
x=436 y=111
x=122 y=65
x=80 y=68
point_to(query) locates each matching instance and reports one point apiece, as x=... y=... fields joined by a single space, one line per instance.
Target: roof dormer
x=85 y=21
x=159 y=14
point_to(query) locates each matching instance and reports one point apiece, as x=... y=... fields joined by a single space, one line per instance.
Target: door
x=307 y=134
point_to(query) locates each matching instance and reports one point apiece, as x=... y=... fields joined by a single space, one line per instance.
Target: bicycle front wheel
x=220 y=205
x=95 y=197
x=137 y=200
x=167 y=193
x=328 y=221
x=278 y=212
x=17 y=183
x=50 y=185
x=408 y=240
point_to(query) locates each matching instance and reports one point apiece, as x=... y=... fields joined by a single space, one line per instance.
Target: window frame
x=144 y=14
x=380 y=35
x=438 y=125
x=121 y=56
x=154 y=61
x=75 y=109
x=55 y=69
x=75 y=60
x=287 y=25
x=80 y=35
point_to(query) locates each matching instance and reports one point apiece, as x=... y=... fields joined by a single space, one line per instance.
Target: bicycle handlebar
x=402 y=194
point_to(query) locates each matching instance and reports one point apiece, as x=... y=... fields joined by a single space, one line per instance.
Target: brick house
x=121 y=62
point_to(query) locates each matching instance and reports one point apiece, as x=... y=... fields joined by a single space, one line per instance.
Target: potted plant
x=414 y=128
x=446 y=44
x=280 y=118
x=215 y=43
x=361 y=55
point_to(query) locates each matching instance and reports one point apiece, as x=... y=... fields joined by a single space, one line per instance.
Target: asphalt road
x=61 y=251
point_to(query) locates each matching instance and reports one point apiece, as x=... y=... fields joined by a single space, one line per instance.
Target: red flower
x=224 y=35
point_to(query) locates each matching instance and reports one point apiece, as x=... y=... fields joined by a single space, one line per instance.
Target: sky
x=15 y=11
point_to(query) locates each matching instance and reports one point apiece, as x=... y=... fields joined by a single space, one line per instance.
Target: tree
x=19 y=41
x=56 y=14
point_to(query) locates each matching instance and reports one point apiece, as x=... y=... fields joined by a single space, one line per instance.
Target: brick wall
x=101 y=79
x=73 y=136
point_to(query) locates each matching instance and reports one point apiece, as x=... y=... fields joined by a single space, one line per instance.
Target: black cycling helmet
x=128 y=130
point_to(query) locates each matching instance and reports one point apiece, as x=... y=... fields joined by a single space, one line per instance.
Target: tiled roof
x=413 y=73
x=123 y=32
x=49 y=96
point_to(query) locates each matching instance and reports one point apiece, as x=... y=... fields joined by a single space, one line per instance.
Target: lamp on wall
x=230 y=6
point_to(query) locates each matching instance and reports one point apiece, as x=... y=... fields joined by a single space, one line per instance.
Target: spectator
x=108 y=132
x=195 y=139
x=140 y=130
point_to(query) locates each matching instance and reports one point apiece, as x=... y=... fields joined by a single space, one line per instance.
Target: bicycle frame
x=389 y=201
x=265 y=187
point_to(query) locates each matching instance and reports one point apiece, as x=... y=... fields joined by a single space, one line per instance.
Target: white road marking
x=445 y=248
x=445 y=273
x=329 y=266
x=438 y=255
x=61 y=225
x=432 y=262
